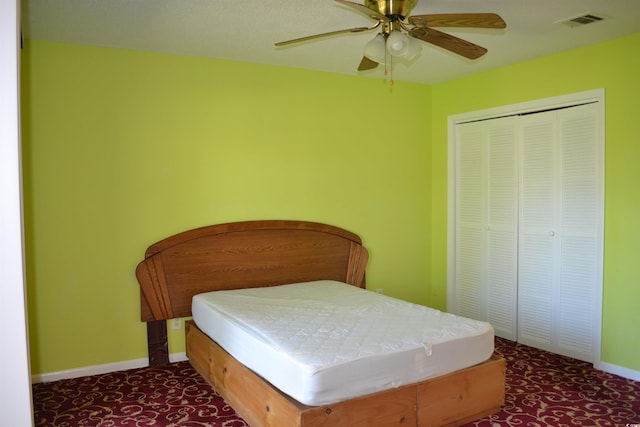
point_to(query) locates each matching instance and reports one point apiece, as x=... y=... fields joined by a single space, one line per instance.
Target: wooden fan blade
x=373 y=14
x=475 y=20
x=367 y=64
x=317 y=36
x=449 y=42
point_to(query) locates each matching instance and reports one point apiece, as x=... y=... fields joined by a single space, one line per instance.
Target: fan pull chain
x=388 y=72
x=386 y=61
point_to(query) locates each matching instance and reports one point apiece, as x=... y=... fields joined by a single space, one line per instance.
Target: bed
x=254 y=257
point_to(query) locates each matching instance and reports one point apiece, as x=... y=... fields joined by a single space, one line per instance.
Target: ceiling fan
x=399 y=32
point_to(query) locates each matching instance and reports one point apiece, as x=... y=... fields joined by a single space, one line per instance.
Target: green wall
x=614 y=66
x=124 y=148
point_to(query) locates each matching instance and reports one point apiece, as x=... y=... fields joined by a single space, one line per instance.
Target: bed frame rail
x=450 y=400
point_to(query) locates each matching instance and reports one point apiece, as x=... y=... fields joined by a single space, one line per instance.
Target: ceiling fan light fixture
x=375 y=49
x=398 y=43
x=403 y=40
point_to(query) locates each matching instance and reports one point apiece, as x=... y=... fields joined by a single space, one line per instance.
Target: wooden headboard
x=237 y=255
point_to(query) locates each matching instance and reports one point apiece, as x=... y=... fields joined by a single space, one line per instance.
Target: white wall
x=15 y=390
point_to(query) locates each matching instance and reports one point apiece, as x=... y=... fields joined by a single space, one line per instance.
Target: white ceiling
x=246 y=30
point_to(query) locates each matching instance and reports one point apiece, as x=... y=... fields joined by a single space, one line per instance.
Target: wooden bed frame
x=268 y=253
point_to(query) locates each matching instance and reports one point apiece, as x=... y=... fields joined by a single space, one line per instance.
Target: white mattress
x=323 y=342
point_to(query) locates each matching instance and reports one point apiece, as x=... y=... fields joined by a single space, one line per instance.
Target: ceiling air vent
x=584 y=19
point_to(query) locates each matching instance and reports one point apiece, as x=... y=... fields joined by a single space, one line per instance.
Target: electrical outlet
x=176 y=323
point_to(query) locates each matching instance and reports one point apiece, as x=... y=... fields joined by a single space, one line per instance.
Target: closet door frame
x=563 y=101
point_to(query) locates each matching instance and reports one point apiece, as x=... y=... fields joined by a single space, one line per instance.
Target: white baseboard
x=101 y=369
x=618 y=370
x=178 y=357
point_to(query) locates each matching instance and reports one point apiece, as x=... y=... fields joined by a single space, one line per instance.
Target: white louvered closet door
x=502 y=226
x=559 y=235
x=470 y=286
x=538 y=263
x=579 y=232
x=528 y=235
x=486 y=224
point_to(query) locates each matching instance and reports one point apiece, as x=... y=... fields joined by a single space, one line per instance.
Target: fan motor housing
x=391 y=7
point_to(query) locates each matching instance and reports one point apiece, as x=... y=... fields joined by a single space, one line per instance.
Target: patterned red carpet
x=543 y=389
x=173 y=396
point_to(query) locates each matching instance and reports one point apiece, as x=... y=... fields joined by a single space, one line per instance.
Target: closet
x=527 y=226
